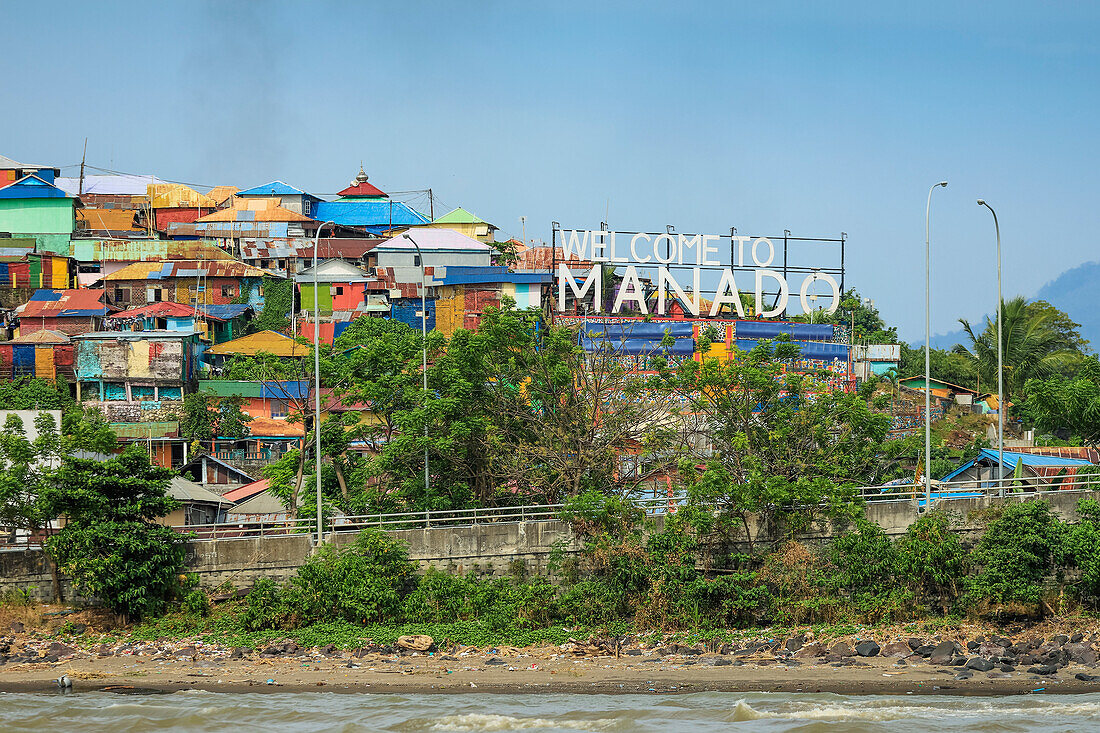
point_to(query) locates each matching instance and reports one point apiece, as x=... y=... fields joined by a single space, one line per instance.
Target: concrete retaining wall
x=486 y=549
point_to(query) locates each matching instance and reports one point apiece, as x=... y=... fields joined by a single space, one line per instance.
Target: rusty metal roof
x=64 y=304
x=184 y=268
x=145 y=250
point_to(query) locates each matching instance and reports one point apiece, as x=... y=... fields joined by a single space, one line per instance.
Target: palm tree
x=1033 y=346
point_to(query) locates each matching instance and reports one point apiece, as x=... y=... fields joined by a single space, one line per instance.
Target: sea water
x=275 y=712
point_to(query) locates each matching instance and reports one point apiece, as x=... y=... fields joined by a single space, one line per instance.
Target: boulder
x=17 y=627
x=1081 y=653
x=1076 y=638
x=840 y=649
x=714 y=661
x=914 y=643
x=1060 y=640
x=1043 y=669
x=896 y=649
x=795 y=643
x=972 y=645
x=415 y=643
x=868 y=649
x=943 y=653
x=1086 y=677
x=925 y=650
x=978 y=664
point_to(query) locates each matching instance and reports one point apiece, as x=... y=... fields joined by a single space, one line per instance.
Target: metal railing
x=912 y=493
x=1024 y=487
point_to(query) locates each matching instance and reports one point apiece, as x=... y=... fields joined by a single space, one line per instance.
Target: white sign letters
x=695 y=252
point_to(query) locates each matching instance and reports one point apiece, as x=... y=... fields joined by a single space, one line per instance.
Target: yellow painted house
x=464 y=222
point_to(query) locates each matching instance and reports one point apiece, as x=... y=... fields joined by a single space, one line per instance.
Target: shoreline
x=431 y=675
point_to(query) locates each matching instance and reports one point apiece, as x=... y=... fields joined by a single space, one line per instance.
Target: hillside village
x=134 y=293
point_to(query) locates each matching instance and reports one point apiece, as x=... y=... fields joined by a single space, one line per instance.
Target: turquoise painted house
x=33 y=207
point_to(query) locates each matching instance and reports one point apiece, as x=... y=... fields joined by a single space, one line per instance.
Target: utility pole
x=431 y=205
x=83 y=156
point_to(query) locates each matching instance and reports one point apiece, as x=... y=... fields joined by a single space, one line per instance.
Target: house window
x=122 y=295
x=339 y=289
x=227 y=291
x=416 y=260
x=154 y=295
x=279 y=408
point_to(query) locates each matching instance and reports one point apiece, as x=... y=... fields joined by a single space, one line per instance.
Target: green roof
x=146 y=430
x=231 y=388
x=459 y=216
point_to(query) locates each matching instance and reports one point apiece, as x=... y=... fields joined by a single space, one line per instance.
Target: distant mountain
x=1075 y=291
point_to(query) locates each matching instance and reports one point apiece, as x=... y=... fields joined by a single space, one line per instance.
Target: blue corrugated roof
x=46 y=295
x=32 y=187
x=275 y=188
x=1012 y=458
x=808 y=349
x=225 y=312
x=473 y=275
x=376 y=216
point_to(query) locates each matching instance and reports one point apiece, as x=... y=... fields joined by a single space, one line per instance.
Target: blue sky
x=763 y=116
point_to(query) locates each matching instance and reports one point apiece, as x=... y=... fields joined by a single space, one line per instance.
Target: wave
x=488 y=722
x=889 y=710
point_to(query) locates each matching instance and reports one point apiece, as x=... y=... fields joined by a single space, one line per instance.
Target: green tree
x=853 y=308
x=110 y=545
x=783 y=449
x=1067 y=406
x=949 y=366
x=1037 y=343
x=206 y=417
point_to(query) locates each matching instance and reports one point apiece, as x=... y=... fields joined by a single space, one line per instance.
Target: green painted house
x=35 y=208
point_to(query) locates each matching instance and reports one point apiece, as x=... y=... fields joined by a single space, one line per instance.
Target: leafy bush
x=362 y=583
x=265 y=606
x=931 y=559
x=1018 y=551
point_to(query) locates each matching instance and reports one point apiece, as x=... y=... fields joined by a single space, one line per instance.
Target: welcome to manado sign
x=682 y=252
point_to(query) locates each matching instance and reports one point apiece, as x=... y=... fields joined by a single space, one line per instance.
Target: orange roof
x=243 y=492
x=268 y=342
x=266 y=427
x=253 y=209
x=176 y=195
x=221 y=194
x=114 y=220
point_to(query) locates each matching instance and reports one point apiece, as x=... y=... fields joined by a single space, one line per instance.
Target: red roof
x=241 y=493
x=363 y=189
x=64 y=303
x=164 y=308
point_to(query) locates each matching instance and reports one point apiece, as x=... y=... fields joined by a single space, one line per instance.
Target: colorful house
x=465 y=292
x=136 y=367
x=464 y=222
x=218 y=323
x=23 y=269
x=68 y=311
x=43 y=354
x=98 y=257
x=284 y=195
x=365 y=207
x=440 y=248
x=339 y=287
x=11 y=171
x=176 y=203
x=35 y=207
x=113 y=204
x=188 y=282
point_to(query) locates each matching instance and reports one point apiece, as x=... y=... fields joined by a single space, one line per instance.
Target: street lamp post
x=928 y=349
x=424 y=334
x=317 y=369
x=1000 y=361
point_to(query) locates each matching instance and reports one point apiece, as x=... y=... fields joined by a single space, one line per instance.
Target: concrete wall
x=486 y=549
